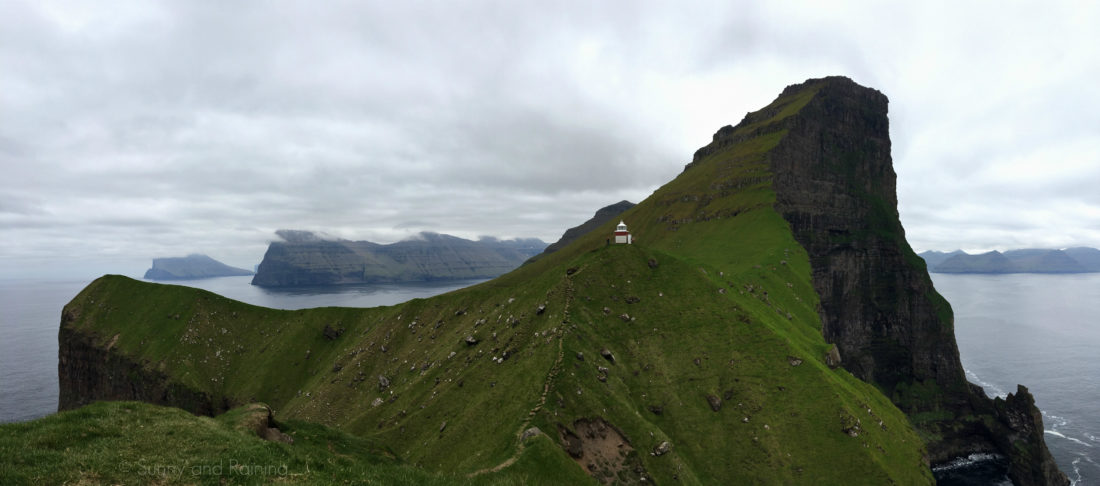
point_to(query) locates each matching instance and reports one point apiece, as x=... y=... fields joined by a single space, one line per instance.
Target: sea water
x=1042 y=331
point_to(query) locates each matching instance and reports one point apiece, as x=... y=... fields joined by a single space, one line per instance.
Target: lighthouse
x=622 y=236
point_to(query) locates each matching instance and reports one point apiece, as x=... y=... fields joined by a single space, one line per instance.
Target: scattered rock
x=656 y=409
x=442 y=426
x=337 y=367
x=529 y=433
x=606 y=311
x=540 y=309
x=606 y=353
x=383 y=382
x=633 y=299
x=794 y=361
x=722 y=290
x=832 y=358
x=662 y=448
x=376 y=402
x=625 y=317
x=697 y=361
x=571 y=270
x=853 y=431
x=259 y=419
x=652 y=263
x=715 y=402
x=471 y=340
x=580 y=356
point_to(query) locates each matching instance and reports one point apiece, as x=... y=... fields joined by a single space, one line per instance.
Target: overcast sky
x=134 y=130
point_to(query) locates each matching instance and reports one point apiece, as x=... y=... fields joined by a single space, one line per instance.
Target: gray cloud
x=143 y=129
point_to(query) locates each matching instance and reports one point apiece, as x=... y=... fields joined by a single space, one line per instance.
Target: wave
x=1077 y=471
x=988 y=387
x=1057 y=421
x=1071 y=439
x=961 y=462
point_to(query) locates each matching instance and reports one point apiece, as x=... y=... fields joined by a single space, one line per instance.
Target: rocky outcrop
x=191 y=267
x=604 y=451
x=260 y=420
x=602 y=216
x=88 y=371
x=305 y=259
x=835 y=185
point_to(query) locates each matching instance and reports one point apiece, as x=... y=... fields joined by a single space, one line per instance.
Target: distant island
x=304 y=258
x=191 y=267
x=1029 y=260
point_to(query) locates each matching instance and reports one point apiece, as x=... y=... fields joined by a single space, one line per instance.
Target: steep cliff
x=304 y=260
x=191 y=266
x=89 y=371
x=835 y=185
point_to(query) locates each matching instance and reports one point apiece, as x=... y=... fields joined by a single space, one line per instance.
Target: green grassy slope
x=710 y=319
x=138 y=443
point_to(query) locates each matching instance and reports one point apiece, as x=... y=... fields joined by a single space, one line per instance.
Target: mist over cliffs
x=305 y=258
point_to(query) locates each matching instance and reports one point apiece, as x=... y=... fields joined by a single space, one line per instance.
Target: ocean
x=1039 y=330
x=1042 y=331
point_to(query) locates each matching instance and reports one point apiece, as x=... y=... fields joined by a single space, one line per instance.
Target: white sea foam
x=1071 y=439
x=989 y=388
x=1054 y=420
x=959 y=462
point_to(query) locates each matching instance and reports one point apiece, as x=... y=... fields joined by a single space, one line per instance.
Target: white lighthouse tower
x=622 y=236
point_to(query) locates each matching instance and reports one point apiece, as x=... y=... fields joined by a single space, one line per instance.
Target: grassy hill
x=139 y=443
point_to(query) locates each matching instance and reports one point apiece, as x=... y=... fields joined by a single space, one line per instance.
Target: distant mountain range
x=1030 y=260
x=304 y=258
x=191 y=267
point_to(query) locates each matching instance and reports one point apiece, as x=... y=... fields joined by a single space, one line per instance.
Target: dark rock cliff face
x=313 y=261
x=835 y=185
x=88 y=371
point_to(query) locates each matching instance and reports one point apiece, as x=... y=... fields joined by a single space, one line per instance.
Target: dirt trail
x=553 y=373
